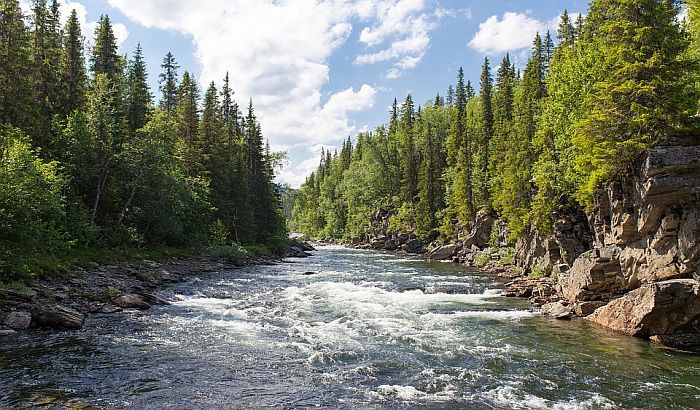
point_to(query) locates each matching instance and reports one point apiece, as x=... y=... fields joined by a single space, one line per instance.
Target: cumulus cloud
x=87 y=27
x=405 y=25
x=514 y=31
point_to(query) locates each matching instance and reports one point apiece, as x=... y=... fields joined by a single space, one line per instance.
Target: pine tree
x=504 y=95
x=486 y=85
x=450 y=96
x=642 y=92
x=168 y=83
x=73 y=75
x=104 y=58
x=567 y=32
x=188 y=124
x=46 y=53
x=17 y=102
x=515 y=195
x=409 y=164
x=464 y=144
x=139 y=98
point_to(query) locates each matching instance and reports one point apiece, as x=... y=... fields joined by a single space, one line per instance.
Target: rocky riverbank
x=64 y=301
x=631 y=263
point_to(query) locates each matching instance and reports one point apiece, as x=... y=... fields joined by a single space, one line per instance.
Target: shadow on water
x=368 y=329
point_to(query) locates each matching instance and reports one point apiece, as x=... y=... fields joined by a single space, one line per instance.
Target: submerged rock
x=131 y=301
x=661 y=308
x=59 y=317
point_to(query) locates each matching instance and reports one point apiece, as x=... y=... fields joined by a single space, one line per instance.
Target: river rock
x=583 y=309
x=7 y=332
x=684 y=341
x=18 y=320
x=661 y=308
x=413 y=246
x=59 y=317
x=391 y=245
x=152 y=299
x=479 y=231
x=557 y=310
x=595 y=275
x=130 y=301
x=443 y=253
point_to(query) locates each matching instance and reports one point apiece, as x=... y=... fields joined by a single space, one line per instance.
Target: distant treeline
x=529 y=144
x=88 y=160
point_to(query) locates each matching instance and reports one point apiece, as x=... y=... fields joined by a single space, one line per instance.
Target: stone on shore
x=445 y=252
x=661 y=308
x=18 y=320
x=58 y=317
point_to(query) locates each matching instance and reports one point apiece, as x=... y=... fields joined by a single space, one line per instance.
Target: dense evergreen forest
x=528 y=144
x=88 y=160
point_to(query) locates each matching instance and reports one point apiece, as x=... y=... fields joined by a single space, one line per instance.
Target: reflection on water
x=370 y=329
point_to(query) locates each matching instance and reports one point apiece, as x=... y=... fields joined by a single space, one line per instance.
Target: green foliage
x=32 y=207
x=528 y=145
x=537 y=272
x=104 y=170
x=481 y=259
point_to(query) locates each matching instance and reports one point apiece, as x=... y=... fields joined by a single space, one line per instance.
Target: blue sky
x=320 y=70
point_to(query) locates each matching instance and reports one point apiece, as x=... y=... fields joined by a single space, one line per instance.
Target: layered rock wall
x=646 y=252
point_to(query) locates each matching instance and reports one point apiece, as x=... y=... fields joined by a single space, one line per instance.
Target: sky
x=319 y=71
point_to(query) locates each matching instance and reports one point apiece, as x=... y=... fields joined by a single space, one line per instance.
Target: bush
x=32 y=207
x=482 y=258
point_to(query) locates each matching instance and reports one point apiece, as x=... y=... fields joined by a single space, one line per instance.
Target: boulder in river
x=59 y=317
x=130 y=301
x=18 y=320
x=660 y=308
x=557 y=310
x=445 y=252
x=7 y=332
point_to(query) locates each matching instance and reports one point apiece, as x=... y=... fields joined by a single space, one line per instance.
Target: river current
x=368 y=330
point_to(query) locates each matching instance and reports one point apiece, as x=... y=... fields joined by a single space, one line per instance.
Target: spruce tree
x=46 y=53
x=485 y=93
x=73 y=75
x=188 y=124
x=139 y=97
x=566 y=33
x=17 y=102
x=409 y=163
x=168 y=84
x=104 y=58
x=643 y=91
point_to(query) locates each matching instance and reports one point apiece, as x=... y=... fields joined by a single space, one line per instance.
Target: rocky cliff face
x=646 y=253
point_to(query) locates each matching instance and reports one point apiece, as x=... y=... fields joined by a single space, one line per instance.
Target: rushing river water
x=368 y=330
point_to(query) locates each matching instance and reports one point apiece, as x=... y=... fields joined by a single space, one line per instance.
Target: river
x=368 y=330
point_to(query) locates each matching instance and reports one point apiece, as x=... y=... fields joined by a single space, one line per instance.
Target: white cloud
x=406 y=26
x=87 y=27
x=277 y=52
x=513 y=32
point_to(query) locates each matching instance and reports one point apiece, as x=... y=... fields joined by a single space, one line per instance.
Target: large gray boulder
x=661 y=308
x=58 y=317
x=18 y=320
x=445 y=252
x=596 y=275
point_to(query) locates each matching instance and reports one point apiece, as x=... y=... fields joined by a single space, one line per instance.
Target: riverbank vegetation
x=526 y=145
x=90 y=164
